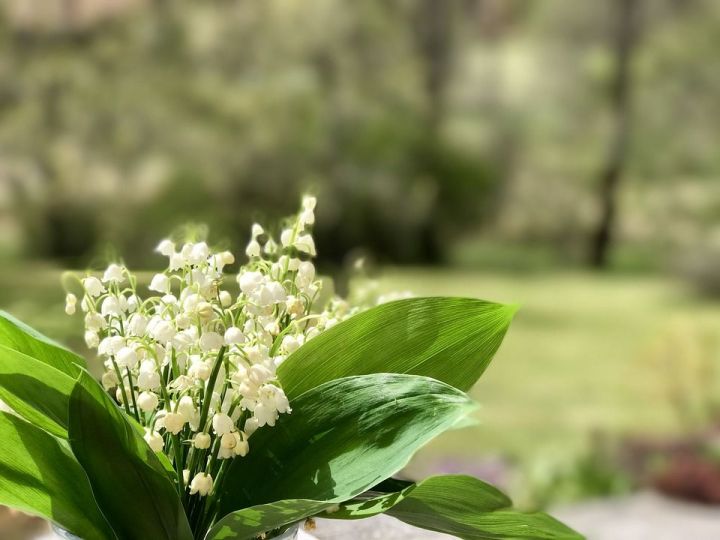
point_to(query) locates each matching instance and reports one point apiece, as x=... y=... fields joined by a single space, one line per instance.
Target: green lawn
x=576 y=358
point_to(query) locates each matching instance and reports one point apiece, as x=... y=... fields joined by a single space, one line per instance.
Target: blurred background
x=562 y=155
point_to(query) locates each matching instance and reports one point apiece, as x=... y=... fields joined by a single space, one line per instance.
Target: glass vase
x=290 y=532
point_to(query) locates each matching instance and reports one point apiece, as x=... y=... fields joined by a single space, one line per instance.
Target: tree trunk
x=611 y=174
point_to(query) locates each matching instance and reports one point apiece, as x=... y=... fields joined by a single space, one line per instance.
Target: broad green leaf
x=249 y=523
x=342 y=438
x=451 y=488
x=458 y=505
x=39 y=475
x=20 y=337
x=36 y=391
x=128 y=481
x=449 y=339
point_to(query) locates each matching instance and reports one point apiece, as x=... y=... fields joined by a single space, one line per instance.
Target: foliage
x=136 y=493
x=366 y=392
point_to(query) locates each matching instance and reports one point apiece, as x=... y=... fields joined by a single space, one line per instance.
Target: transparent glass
x=290 y=533
x=62 y=533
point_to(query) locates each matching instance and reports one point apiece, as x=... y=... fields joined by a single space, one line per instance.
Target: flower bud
x=147 y=401
x=234 y=336
x=186 y=407
x=253 y=249
x=225 y=299
x=242 y=447
x=137 y=324
x=205 y=311
x=228 y=440
x=201 y=441
x=154 y=440
x=92 y=339
x=70 y=303
x=109 y=380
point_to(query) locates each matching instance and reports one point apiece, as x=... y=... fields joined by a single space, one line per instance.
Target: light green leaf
x=458 y=505
x=36 y=391
x=20 y=337
x=341 y=438
x=40 y=476
x=482 y=496
x=128 y=481
x=249 y=523
x=449 y=339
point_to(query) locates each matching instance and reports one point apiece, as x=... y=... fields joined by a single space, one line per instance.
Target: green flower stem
x=122 y=385
x=207 y=393
x=132 y=395
x=194 y=453
x=210 y=509
x=178 y=463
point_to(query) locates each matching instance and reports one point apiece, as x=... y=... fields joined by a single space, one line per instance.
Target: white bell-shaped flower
x=70 y=303
x=211 y=341
x=253 y=249
x=222 y=424
x=165 y=247
x=174 y=422
x=234 y=336
x=154 y=440
x=126 y=358
x=306 y=244
x=201 y=484
x=147 y=401
x=201 y=441
x=160 y=283
x=114 y=274
x=92 y=339
x=93 y=286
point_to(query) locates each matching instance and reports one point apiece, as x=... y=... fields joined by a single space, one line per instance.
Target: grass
x=576 y=359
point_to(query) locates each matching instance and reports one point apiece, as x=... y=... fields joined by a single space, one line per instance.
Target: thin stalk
x=210 y=385
x=132 y=395
x=122 y=385
x=209 y=509
x=178 y=463
x=205 y=399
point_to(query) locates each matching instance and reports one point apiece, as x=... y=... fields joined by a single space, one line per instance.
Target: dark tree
x=611 y=175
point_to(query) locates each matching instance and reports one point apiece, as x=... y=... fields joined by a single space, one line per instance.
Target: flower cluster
x=195 y=363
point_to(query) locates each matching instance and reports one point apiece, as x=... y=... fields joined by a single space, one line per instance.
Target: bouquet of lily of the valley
x=238 y=415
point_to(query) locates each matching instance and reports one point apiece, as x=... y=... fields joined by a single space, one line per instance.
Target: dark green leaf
x=36 y=391
x=128 y=481
x=342 y=438
x=40 y=476
x=449 y=339
x=20 y=337
x=458 y=505
x=249 y=523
